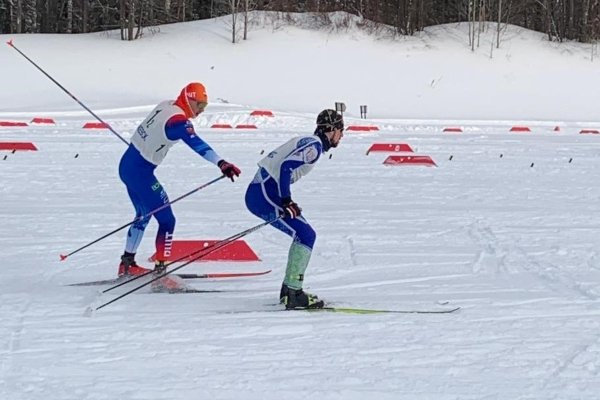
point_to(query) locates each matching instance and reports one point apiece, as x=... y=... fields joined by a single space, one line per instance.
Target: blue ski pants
x=146 y=194
x=264 y=201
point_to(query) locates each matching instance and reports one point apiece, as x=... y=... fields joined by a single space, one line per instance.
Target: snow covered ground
x=505 y=227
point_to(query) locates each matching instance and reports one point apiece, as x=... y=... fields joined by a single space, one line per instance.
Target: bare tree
x=248 y=6
x=481 y=20
x=18 y=14
x=585 y=36
x=473 y=11
x=69 y=21
x=499 y=22
x=130 y=19
x=571 y=16
x=84 y=15
x=234 y=4
x=122 y=18
x=140 y=24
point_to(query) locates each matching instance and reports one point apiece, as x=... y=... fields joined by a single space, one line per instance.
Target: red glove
x=290 y=208
x=229 y=170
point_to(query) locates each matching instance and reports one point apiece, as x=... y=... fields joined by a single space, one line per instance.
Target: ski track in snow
x=582 y=358
x=492 y=259
x=513 y=245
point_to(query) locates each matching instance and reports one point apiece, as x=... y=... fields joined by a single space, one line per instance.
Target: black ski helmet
x=328 y=120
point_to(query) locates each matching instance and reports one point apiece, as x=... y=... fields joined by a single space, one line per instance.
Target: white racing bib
x=303 y=149
x=150 y=138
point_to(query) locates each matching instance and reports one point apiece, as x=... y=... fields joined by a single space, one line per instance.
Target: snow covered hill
x=432 y=75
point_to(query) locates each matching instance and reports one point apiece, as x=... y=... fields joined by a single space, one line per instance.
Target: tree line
x=558 y=19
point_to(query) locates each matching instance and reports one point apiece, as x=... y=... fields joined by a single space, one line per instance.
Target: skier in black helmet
x=269 y=196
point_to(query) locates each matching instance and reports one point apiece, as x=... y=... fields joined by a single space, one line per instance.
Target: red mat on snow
x=235 y=251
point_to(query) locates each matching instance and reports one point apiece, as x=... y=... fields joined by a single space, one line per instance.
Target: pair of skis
x=342 y=310
x=216 y=275
x=123 y=279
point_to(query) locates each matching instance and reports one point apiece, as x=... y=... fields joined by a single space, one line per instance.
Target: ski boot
x=129 y=267
x=298 y=299
x=159 y=267
x=169 y=283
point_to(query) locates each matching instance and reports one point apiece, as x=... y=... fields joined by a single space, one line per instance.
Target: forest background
x=558 y=19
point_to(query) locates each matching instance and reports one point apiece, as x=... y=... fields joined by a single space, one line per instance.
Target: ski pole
x=205 y=251
x=219 y=245
x=208 y=249
x=10 y=43
x=141 y=217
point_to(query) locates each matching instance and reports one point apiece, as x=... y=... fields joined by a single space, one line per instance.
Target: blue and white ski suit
x=276 y=173
x=163 y=127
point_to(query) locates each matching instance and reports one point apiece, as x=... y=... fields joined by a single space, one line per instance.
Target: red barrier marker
x=362 y=128
x=453 y=130
x=11 y=146
x=262 y=113
x=43 y=121
x=95 y=125
x=520 y=129
x=390 y=147
x=12 y=123
x=410 y=160
x=246 y=126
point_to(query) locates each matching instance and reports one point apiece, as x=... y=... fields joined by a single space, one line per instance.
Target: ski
x=222 y=275
x=216 y=275
x=352 y=310
x=98 y=283
x=186 y=291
